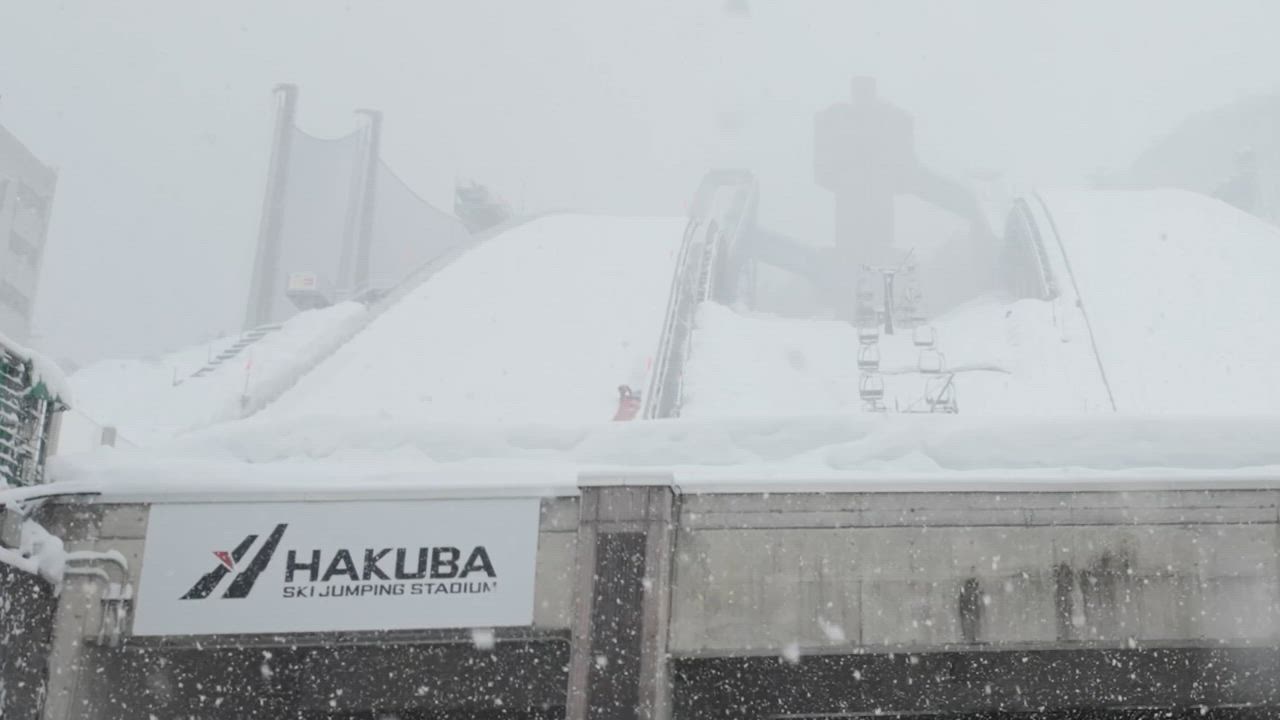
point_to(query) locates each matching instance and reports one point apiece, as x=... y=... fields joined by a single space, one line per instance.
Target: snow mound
x=1008 y=358
x=891 y=450
x=151 y=401
x=1180 y=293
x=1177 y=290
x=38 y=553
x=503 y=365
x=539 y=324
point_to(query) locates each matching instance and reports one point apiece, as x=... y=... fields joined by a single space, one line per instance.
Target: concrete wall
x=91 y=678
x=26 y=622
x=734 y=577
x=760 y=573
x=123 y=528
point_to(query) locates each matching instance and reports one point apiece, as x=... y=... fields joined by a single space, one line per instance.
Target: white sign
x=303 y=281
x=337 y=566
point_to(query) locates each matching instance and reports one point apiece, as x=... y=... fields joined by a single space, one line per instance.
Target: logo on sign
x=337 y=566
x=377 y=571
x=244 y=580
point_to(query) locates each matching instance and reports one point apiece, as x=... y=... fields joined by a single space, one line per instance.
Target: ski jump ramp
x=1126 y=302
x=1129 y=302
x=538 y=324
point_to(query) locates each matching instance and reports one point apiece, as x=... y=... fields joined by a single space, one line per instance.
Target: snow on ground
x=151 y=401
x=501 y=369
x=1178 y=290
x=894 y=452
x=541 y=324
x=1009 y=358
x=1181 y=292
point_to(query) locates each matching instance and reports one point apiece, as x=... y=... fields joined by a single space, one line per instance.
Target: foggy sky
x=157 y=114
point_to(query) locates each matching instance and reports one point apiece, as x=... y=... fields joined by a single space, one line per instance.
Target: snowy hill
x=1180 y=294
x=151 y=401
x=503 y=364
x=540 y=324
x=1202 y=153
x=1177 y=292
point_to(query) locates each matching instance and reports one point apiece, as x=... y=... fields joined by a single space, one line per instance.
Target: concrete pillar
x=26 y=621
x=265 y=283
x=618 y=659
x=65 y=699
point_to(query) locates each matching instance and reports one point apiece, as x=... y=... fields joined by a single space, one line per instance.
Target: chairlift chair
x=931 y=362
x=869 y=335
x=924 y=336
x=940 y=394
x=871 y=390
x=908 y=308
x=869 y=358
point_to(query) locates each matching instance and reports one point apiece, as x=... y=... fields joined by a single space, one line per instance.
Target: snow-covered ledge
x=29 y=547
x=37 y=552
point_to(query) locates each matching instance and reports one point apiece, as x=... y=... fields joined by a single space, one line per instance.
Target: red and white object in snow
x=628 y=404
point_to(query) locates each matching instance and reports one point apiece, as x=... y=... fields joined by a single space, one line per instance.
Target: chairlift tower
x=887 y=273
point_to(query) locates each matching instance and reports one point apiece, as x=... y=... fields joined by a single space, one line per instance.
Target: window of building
x=31 y=209
x=19 y=246
x=11 y=296
x=29 y=199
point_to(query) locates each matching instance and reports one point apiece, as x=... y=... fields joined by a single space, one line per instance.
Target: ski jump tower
x=864 y=153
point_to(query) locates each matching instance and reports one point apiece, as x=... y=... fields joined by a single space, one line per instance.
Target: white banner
x=337 y=566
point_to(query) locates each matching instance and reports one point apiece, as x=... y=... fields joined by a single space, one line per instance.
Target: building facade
x=26 y=200
x=631 y=598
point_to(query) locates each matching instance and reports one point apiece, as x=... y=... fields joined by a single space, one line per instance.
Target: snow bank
x=1180 y=292
x=328 y=451
x=539 y=324
x=38 y=553
x=501 y=368
x=141 y=398
x=543 y=321
x=1009 y=358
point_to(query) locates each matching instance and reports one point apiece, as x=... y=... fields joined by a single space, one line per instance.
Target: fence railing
x=28 y=407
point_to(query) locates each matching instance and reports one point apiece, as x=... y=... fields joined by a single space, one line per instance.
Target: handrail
x=697 y=278
x=659 y=401
x=1048 y=283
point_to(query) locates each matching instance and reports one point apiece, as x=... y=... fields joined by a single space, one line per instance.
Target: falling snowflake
x=483 y=638
x=791 y=653
x=834 y=632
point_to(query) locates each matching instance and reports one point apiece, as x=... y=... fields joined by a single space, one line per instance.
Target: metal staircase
x=246 y=340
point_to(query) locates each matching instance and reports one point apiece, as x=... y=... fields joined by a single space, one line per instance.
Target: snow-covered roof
x=44 y=370
x=894 y=453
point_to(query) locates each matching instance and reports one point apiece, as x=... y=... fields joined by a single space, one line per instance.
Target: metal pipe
x=264 y=284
